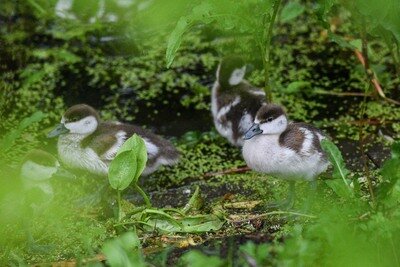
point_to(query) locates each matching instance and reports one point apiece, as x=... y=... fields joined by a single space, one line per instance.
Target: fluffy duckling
x=286 y=150
x=32 y=193
x=88 y=144
x=37 y=169
x=234 y=101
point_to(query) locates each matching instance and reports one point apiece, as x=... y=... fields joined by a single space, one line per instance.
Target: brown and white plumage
x=88 y=144
x=288 y=150
x=234 y=101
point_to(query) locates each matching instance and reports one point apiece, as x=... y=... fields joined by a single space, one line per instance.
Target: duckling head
x=39 y=165
x=270 y=119
x=231 y=71
x=79 y=119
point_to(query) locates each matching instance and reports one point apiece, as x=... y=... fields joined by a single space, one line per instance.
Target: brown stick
x=324 y=92
x=373 y=78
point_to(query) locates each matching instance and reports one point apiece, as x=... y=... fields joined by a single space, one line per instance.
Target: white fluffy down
x=276 y=126
x=237 y=76
x=85 y=126
x=263 y=153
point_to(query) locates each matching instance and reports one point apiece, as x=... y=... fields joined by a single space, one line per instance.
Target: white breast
x=263 y=153
x=74 y=156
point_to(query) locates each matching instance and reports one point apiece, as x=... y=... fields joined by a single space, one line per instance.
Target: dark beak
x=64 y=174
x=253 y=131
x=60 y=129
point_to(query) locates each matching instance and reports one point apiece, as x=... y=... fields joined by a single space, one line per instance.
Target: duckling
x=37 y=168
x=32 y=193
x=234 y=101
x=87 y=143
x=286 y=150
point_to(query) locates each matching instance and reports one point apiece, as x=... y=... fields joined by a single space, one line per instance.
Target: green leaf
x=335 y=157
x=291 y=11
x=390 y=173
x=122 y=170
x=137 y=145
x=37 y=6
x=189 y=224
x=295 y=87
x=175 y=39
x=339 y=188
x=200 y=13
x=396 y=150
x=341 y=41
x=124 y=251
x=9 y=139
x=259 y=252
x=195 y=258
x=323 y=9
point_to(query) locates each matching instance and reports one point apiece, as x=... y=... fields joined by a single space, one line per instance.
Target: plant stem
x=267 y=51
x=119 y=205
x=363 y=108
x=145 y=197
x=397 y=49
x=192 y=200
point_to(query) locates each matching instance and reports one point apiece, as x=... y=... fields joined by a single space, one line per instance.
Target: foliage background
x=113 y=58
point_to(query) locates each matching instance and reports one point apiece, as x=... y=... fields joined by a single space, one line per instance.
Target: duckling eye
x=270 y=119
x=72 y=119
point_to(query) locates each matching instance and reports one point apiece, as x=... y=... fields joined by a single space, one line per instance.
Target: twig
x=372 y=122
x=324 y=92
x=372 y=76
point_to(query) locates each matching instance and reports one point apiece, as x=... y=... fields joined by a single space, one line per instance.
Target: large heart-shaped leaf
x=137 y=145
x=122 y=170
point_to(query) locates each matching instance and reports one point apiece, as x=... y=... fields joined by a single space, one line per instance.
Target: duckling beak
x=253 y=131
x=60 y=129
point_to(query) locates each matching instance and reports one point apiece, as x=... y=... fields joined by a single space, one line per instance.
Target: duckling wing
x=293 y=138
x=105 y=145
x=157 y=147
x=303 y=138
